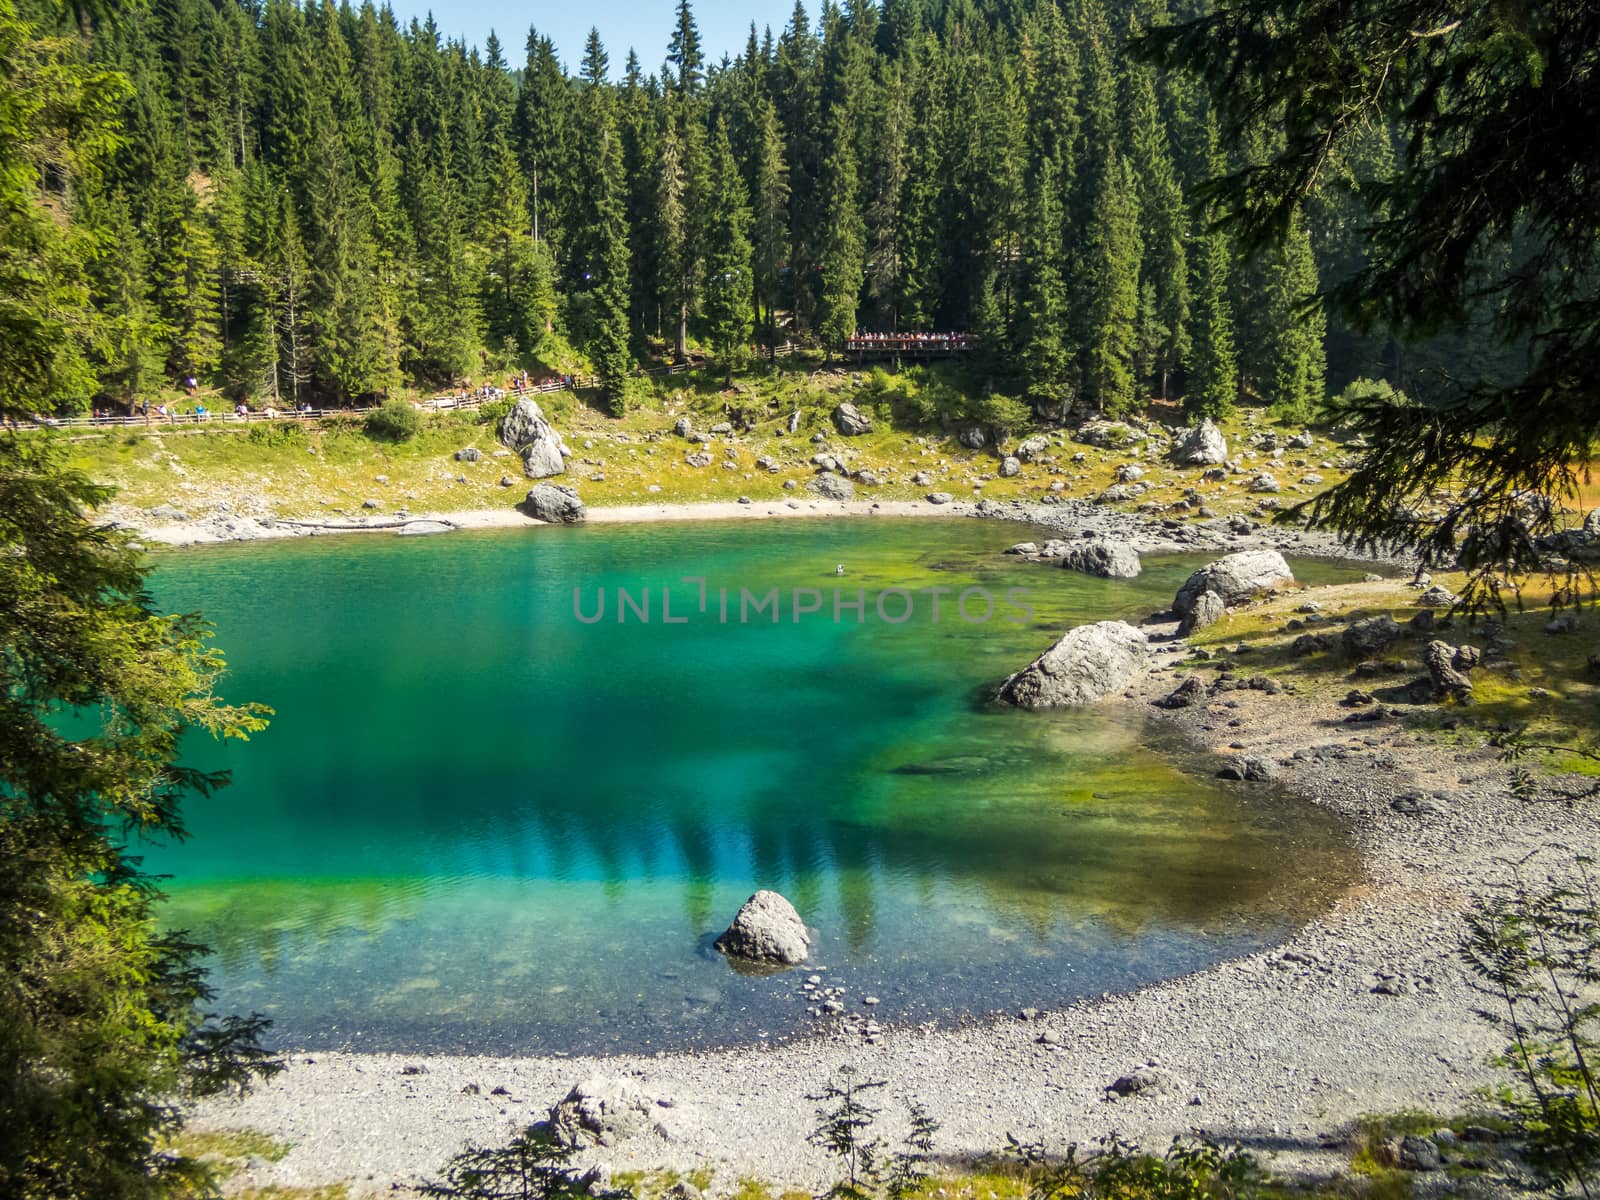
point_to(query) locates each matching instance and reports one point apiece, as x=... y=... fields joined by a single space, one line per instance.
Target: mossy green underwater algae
x=481 y=822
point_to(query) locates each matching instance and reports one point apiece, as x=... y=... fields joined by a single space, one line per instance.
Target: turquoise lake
x=478 y=823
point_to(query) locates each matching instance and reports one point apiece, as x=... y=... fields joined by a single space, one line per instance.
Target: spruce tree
x=1046 y=358
x=602 y=249
x=1164 y=270
x=1212 y=382
x=185 y=276
x=685 y=55
x=1113 y=257
x=1212 y=373
x=544 y=127
x=795 y=91
x=671 y=227
x=842 y=236
x=1298 y=362
x=131 y=344
x=885 y=210
x=729 y=284
x=771 y=219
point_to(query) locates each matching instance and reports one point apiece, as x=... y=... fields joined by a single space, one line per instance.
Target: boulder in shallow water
x=1102 y=557
x=554 y=504
x=767 y=930
x=1088 y=664
x=1234 y=577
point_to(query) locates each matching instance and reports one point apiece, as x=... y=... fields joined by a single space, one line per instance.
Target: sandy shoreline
x=1278 y=1050
x=1070 y=518
x=214 y=531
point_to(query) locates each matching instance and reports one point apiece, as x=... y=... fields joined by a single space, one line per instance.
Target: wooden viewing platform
x=910 y=345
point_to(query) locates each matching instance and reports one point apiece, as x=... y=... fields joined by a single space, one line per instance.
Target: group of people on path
x=172 y=414
x=867 y=340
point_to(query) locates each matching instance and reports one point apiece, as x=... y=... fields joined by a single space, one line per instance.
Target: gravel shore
x=1363 y=1010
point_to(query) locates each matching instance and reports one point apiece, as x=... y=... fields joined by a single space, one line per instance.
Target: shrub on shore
x=394 y=421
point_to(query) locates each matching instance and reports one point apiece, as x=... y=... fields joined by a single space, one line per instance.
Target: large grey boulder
x=972 y=437
x=1437 y=596
x=767 y=930
x=1201 y=446
x=1374 y=635
x=851 y=421
x=542 y=457
x=832 y=487
x=525 y=422
x=525 y=430
x=1088 y=664
x=1206 y=610
x=1034 y=448
x=1010 y=467
x=554 y=504
x=1448 y=669
x=1101 y=433
x=1121 y=493
x=1234 y=577
x=1102 y=557
x=602 y=1111
x=939 y=497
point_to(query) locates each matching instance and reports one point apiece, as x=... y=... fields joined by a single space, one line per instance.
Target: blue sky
x=646 y=25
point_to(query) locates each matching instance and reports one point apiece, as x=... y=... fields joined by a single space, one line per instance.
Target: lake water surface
x=478 y=823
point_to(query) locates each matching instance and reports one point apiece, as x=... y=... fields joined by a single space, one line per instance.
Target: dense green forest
x=318 y=202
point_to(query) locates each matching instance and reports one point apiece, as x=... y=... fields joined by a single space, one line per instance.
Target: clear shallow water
x=477 y=823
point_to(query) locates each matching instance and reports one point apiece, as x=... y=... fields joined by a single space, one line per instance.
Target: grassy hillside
x=331 y=469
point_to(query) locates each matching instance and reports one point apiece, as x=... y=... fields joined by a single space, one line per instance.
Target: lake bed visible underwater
x=481 y=822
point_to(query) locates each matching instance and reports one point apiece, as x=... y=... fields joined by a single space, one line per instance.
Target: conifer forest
x=321 y=203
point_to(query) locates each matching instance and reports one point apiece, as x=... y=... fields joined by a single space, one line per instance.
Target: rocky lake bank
x=1363 y=1010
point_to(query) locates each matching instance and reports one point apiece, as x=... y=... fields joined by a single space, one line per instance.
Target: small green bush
x=1004 y=414
x=1358 y=396
x=277 y=433
x=394 y=421
x=493 y=412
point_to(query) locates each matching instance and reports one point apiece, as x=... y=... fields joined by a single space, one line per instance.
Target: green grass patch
x=1546 y=688
x=328 y=470
x=651 y=1185
x=229 y=1143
